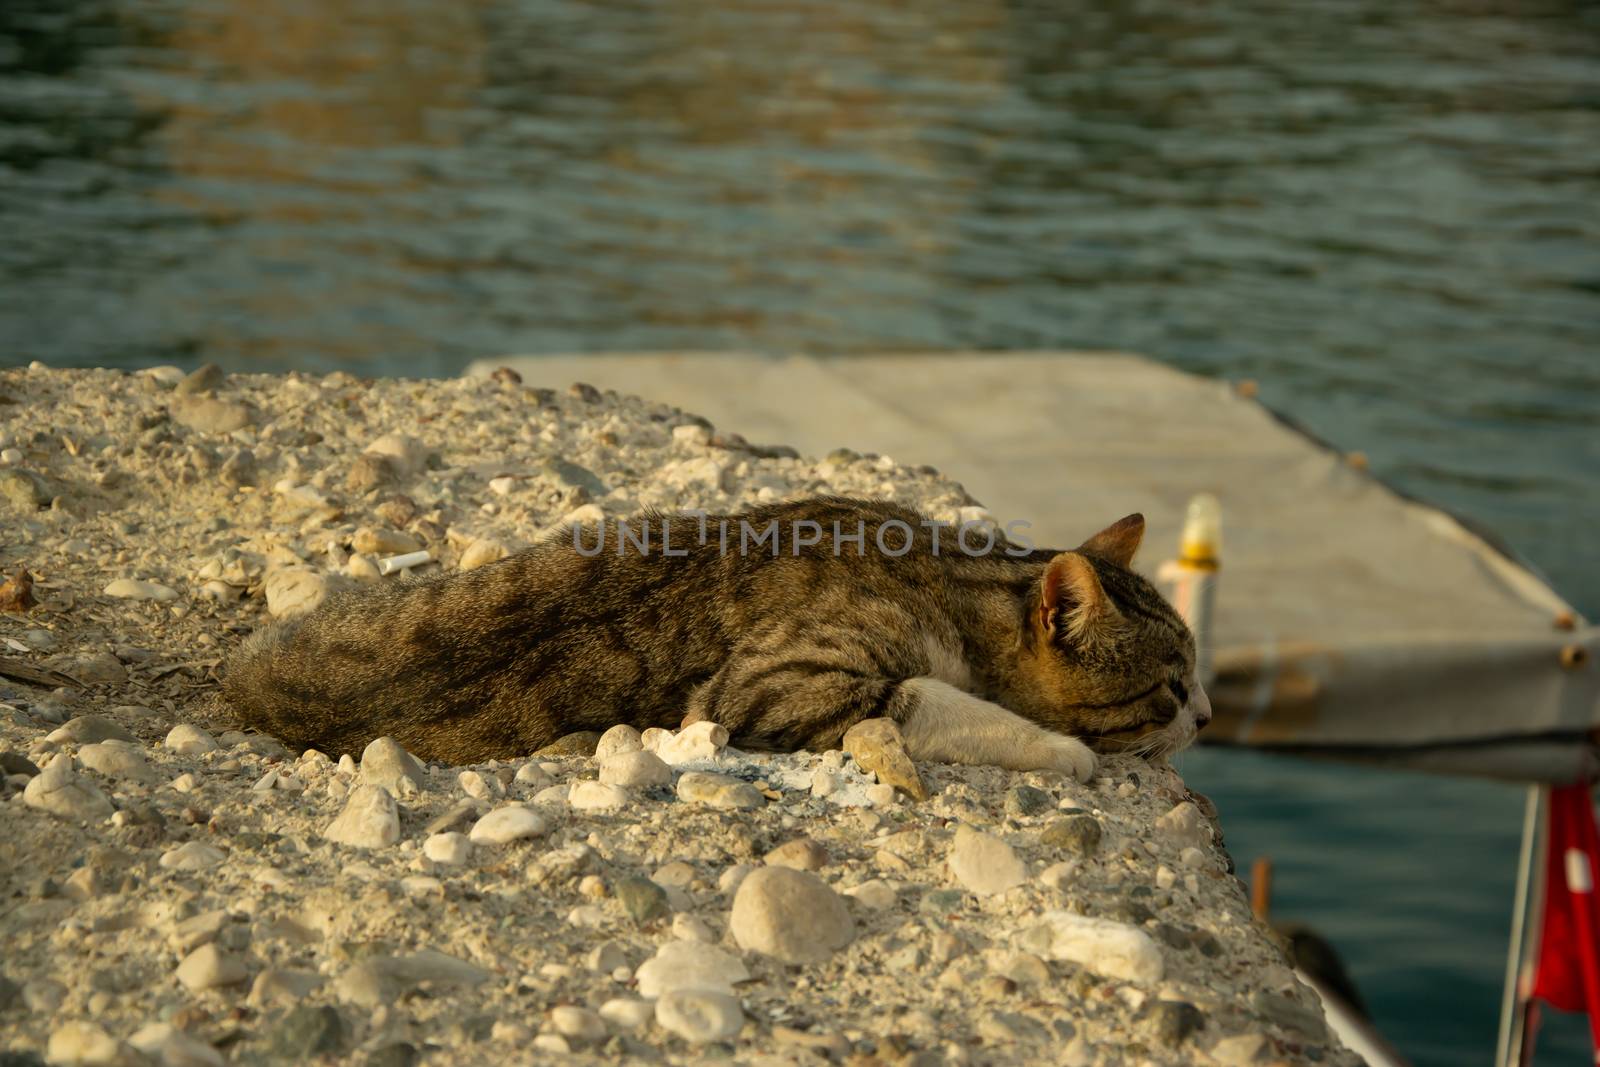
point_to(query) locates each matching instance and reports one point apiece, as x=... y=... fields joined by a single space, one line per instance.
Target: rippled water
x=1386 y=213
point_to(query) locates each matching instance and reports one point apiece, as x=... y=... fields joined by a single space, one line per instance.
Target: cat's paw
x=1067 y=755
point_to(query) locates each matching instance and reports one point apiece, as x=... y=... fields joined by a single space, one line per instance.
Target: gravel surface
x=174 y=891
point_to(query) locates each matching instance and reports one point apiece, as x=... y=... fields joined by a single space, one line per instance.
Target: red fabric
x=1568 y=973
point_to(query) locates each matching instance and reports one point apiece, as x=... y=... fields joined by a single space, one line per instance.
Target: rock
x=1240 y=1050
x=481 y=551
x=192 y=856
x=984 y=864
x=22 y=490
x=397 y=1054
x=95 y=668
x=1076 y=833
x=59 y=791
x=370 y=819
x=203 y=379
x=1025 y=800
x=1009 y=1027
x=801 y=854
x=699 y=1015
x=196 y=930
x=617 y=740
x=687 y=927
x=172 y=1047
x=1184 y=826
x=1172 y=1021
x=370 y=472
x=581 y=743
x=641 y=898
x=823 y=782
x=117 y=759
x=294 y=591
x=790 y=915
x=208 y=967
x=376 y=541
x=690 y=965
x=628 y=1013
x=87 y=729
x=878 y=748
x=133 y=589
x=1102 y=946
x=875 y=894
x=697 y=741
x=634 y=770
x=281 y=987
x=407 y=455
x=207 y=414
x=385 y=764
x=580 y=1024
x=596 y=796
x=512 y=822
x=449 y=849
x=187 y=740
x=718 y=791
x=533 y=775
x=309 y=1031
x=86 y=1044
x=239 y=469
x=1290 y=1014
x=17 y=763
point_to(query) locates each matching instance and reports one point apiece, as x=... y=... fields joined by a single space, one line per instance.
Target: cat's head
x=1106 y=657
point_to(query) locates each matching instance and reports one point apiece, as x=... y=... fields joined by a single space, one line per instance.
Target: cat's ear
x=1072 y=600
x=1118 y=542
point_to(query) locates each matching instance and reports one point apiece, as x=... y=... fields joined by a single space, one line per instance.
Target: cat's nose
x=1202 y=708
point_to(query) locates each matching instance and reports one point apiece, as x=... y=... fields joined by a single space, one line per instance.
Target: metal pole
x=1510 y=1044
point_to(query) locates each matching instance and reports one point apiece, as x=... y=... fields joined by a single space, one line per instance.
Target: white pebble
x=451 y=849
x=504 y=825
x=700 y=1015
x=193 y=856
x=370 y=819
x=596 y=796
x=188 y=740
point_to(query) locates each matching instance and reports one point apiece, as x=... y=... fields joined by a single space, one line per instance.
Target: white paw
x=1066 y=754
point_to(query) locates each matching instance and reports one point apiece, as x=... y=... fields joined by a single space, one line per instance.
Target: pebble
x=192 y=856
x=686 y=927
x=1026 y=800
x=473 y=784
x=1173 y=1021
x=641 y=898
x=89 y=729
x=386 y=764
x=481 y=551
x=294 y=591
x=875 y=894
x=703 y=740
x=801 y=854
x=377 y=541
x=208 y=967
x=606 y=957
x=634 y=770
x=1075 y=833
x=628 y=1013
x=699 y=1015
x=189 y=740
x=596 y=796
x=718 y=791
x=1239 y=1050
x=513 y=822
x=406 y=454
x=171 y=1047
x=790 y=915
x=531 y=774
x=580 y=1024
x=1184 y=826
x=116 y=759
x=203 y=379
x=23 y=490
x=984 y=864
x=824 y=782
x=451 y=849
x=1103 y=946
x=84 y=1043
x=690 y=965
x=207 y=414
x=59 y=791
x=620 y=739
x=308 y=1031
x=878 y=748
x=134 y=589
x=370 y=820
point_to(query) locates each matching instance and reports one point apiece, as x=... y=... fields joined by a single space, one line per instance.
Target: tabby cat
x=787 y=624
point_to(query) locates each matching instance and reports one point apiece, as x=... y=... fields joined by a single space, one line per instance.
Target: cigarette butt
x=398 y=563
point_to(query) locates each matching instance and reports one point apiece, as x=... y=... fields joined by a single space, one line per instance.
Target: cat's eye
x=1180 y=691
